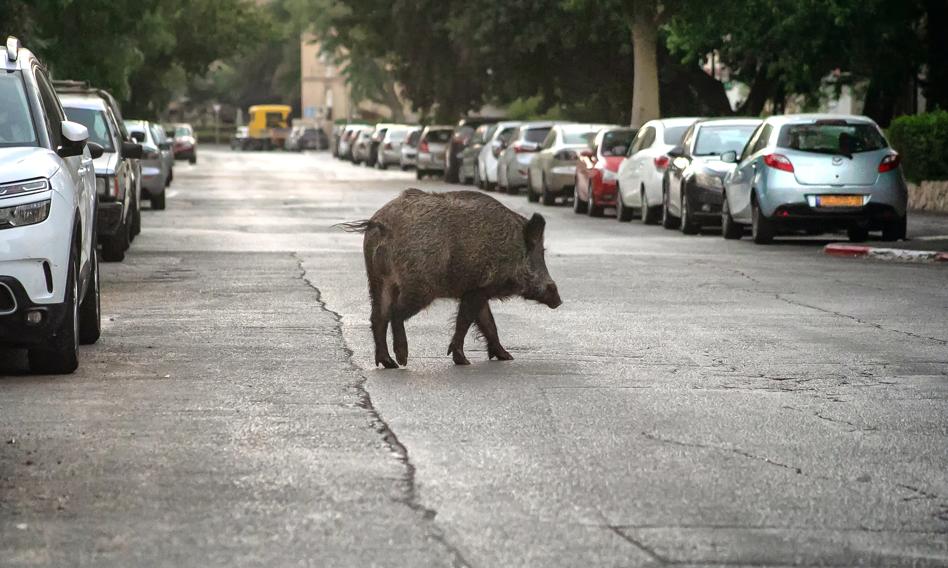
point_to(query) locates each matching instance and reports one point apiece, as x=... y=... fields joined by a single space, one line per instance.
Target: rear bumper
x=430 y=162
x=888 y=193
x=185 y=153
x=110 y=217
x=800 y=216
x=604 y=192
x=14 y=330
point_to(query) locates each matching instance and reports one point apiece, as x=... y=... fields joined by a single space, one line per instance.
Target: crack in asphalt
x=723 y=449
x=818 y=414
x=410 y=488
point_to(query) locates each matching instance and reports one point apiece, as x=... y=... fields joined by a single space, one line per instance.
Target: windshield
x=180 y=131
x=673 y=134
x=414 y=137
x=716 y=140
x=397 y=135
x=616 y=142
x=831 y=137
x=579 y=137
x=97 y=124
x=536 y=135
x=16 y=123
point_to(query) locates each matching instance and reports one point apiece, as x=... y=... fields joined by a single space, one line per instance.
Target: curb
x=898 y=255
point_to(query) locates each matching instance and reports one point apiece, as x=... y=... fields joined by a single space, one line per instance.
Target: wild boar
x=422 y=246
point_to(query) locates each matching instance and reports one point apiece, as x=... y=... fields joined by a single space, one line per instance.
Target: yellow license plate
x=839 y=201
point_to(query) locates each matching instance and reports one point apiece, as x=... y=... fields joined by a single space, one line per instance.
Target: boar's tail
x=363 y=226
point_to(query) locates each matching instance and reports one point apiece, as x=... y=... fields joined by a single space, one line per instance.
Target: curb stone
x=892 y=254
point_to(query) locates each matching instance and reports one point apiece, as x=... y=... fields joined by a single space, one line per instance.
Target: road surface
x=694 y=401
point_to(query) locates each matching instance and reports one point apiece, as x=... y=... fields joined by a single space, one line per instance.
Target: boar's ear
x=533 y=231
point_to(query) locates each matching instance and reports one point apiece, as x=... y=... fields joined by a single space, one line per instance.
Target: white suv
x=49 y=270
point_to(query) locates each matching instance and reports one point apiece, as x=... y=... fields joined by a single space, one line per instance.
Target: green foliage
x=922 y=141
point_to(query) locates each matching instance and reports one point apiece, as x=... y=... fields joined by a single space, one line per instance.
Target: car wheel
x=647 y=213
x=730 y=229
x=477 y=177
x=193 y=160
x=158 y=201
x=61 y=355
x=548 y=197
x=688 y=226
x=170 y=177
x=762 y=229
x=593 y=209
x=90 y=311
x=896 y=230
x=857 y=234
x=419 y=174
x=136 y=219
x=668 y=221
x=579 y=206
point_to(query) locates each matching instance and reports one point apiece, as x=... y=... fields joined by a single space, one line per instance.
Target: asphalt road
x=694 y=401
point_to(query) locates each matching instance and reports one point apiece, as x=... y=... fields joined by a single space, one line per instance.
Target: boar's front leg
x=467 y=314
x=485 y=323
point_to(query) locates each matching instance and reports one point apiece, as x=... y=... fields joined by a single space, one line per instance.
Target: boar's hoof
x=457 y=354
x=402 y=358
x=386 y=362
x=499 y=353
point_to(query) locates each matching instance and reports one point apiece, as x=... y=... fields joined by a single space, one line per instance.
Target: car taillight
x=115 y=187
x=565 y=156
x=889 y=163
x=520 y=149
x=661 y=162
x=423 y=147
x=778 y=162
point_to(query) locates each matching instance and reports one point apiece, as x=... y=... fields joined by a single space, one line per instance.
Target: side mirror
x=131 y=150
x=95 y=150
x=74 y=139
x=729 y=157
x=676 y=152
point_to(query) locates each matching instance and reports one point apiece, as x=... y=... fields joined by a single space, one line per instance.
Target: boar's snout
x=551 y=296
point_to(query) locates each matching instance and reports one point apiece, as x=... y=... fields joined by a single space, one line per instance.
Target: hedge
x=922 y=141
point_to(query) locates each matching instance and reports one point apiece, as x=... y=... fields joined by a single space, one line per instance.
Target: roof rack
x=13 y=46
x=73 y=86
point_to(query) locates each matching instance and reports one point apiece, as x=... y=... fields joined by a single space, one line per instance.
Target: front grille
x=7 y=300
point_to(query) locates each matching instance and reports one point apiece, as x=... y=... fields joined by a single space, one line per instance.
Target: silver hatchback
x=157 y=159
x=815 y=173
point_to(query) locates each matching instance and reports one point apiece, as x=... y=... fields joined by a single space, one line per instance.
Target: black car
x=462 y=134
x=694 y=179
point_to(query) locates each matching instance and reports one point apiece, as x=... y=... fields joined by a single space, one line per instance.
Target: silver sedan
x=552 y=172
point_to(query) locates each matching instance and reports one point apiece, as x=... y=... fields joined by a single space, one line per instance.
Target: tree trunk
x=936 y=89
x=760 y=92
x=644 y=26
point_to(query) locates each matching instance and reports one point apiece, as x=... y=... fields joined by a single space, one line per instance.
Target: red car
x=596 y=169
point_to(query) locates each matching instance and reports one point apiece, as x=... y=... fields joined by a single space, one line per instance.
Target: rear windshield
x=673 y=134
x=616 y=142
x=96 y=122
x=831 y=138
x=716 y=140
x=16 y=124
x=579 y=137
x=413 y=138
x=536 y=135
x=438 y=136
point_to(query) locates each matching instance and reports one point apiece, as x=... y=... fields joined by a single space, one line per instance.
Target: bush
x=922 y=141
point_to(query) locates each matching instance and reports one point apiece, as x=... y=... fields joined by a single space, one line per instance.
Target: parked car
x=459 y=137
x=375 y=142
x=552 y=172
x=49 y=269
x=471 y=151
x=642 y=175
x=361 y=146
x=184 y=142
x=819 y=172
x=306 y=138
x=596 y=170
x=117 y=185
x=409 y=157
x=240 y=139
x=432 y=145
x=485 y=174
x=349 y=133
x=694 y=179
x=514 y=161
x=389 y=151
x=156 y=168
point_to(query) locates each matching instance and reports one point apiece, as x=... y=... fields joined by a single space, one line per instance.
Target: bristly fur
x=360 y=226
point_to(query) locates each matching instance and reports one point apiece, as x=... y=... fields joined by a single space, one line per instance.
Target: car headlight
x=22 y=187
x=26 y=214
x=709 y=180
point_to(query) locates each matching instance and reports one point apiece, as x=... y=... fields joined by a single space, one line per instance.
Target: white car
x=157 y=160
x=641 y=175
x=49 y=270
x=490 y=153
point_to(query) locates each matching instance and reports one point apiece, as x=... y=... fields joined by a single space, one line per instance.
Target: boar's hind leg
x=485 y=323
x=381 y=307
x=467 y=314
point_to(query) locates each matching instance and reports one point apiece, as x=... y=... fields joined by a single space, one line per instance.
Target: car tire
x=730 y=229
x=192 y=160
x=136 y=220
x=668 y=221
x=531 y=196
x=593 y=209
x=579 y=206
x=114 y=247
x=548 y=198
x=648 y=214
x=896 y=230
x=170 y=177
x=857 y=234
x=419 y=174
x=61 y=355
x=478 y=183
x=624 y=214
x=762 y=228
x=90 y=311
x=158 y=201
x=688 y=226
